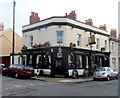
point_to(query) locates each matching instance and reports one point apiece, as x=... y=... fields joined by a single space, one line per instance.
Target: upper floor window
x=59 y=37
x=97 y=43
x=78 y=39
x=105 y=44
x=118 y=48
x=31 y=40
x=112 y=46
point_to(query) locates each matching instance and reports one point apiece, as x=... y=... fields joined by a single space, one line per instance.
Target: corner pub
x=61 y=45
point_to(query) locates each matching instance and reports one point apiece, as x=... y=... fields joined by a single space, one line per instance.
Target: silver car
x=105 y=73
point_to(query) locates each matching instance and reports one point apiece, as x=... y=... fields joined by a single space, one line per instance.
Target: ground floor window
x=23 y=60
x=43 y=61
x=87 y=62
x=30 y=60
x=114 y=63
x=79 y=61
x=71 y=60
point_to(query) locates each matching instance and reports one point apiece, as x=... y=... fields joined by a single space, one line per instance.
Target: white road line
x=33 y=84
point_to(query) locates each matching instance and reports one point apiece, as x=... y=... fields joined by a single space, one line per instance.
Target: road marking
x=32 y=84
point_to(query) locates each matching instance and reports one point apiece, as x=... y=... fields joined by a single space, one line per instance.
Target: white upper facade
x=63 y=31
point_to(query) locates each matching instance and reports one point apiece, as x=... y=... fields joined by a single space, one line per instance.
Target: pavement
x=61 y=79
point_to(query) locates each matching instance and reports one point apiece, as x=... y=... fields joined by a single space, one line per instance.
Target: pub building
x=61 y=45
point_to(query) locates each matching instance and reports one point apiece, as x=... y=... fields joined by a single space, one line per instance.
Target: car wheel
x=108 y=78
x=16 y=75
x=117 y=76
x=3 y=73
x=94 y=79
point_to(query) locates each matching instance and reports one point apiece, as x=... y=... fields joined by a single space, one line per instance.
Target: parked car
x=2 y=66
x=105 y=73
x=19 y=70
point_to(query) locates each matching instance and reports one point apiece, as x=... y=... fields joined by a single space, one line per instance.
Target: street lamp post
x=13 y=46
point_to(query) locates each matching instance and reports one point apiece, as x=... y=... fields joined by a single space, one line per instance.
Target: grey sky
x=100 y=11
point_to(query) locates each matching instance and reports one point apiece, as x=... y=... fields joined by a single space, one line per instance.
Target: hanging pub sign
x=91 y=40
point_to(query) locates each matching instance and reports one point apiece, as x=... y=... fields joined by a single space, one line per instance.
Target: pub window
x=19 y=60
x=78 y=39
x=87 y=62
x=23 y=60
x=30 y=60
x=39 y=60
x=59 y=37
x=43 y=61
x=46 y=61
x=79 y=61
x=100 y=61
x=71 y=60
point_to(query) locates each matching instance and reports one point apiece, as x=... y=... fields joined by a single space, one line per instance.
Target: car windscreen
x=2 y=65
x=100 y=69
x=28 y=68
x=11 y=66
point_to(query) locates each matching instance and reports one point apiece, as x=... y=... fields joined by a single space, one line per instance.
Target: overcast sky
x=100 y=11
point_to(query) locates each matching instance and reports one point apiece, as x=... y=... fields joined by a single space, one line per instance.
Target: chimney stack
x=34 y=17
x=72 y=15
x=103 y=27
x=1 y=27
x=89 y=22
x=113 y=32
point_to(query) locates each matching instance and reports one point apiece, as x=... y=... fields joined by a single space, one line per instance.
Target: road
x=30 y=87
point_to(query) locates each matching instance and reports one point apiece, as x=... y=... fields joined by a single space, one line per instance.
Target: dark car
x=1 y=67
x=19 y=70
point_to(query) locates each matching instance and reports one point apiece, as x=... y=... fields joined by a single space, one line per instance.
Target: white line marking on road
x=22 y=86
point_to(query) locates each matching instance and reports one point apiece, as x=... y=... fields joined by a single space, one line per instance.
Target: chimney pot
x=1 y=27
x=34 y=17
x=32 y=13
x=103 y=27
x=113 y=32
x=72 y=15
x=89 y=22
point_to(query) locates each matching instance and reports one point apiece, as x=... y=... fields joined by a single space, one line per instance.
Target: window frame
x=114 y=62
x=97 y=43
x=78 y=39
x=112 y=46
x=31 y=40
x=59 y=38
x=105 y=44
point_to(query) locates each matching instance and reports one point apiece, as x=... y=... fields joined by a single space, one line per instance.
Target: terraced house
x=62 y=44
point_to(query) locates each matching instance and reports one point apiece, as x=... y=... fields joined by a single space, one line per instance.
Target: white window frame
x=97 y=43
x=79 y=39
x=57 y=37
x=105 y=44
x=119 y=48
x=31 y=41
x=112 y=46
